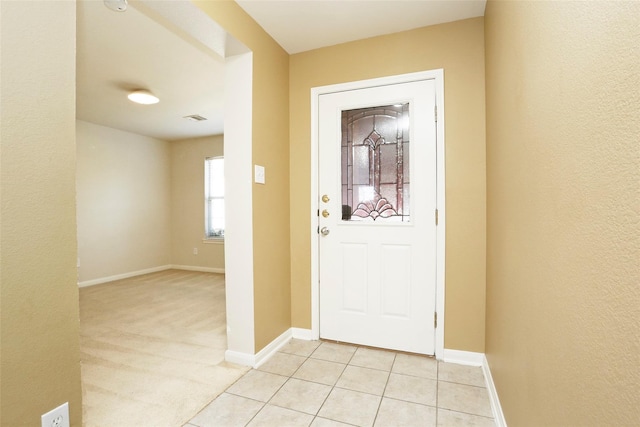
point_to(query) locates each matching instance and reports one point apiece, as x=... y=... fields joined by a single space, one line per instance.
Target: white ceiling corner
x=302 y=25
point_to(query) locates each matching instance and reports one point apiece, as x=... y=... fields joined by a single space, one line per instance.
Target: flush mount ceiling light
x=143 y=97
x=116 y=5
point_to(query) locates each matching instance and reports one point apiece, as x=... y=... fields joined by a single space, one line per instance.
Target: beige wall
x=271 y=253
x=563 y=162
x=39 y=297
x=123 y=198
x=187 y=203
x=458 y=48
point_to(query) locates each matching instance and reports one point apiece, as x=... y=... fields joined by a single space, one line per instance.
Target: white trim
x=315 y=271
x=147 y=271
x=213 y=241
x=496 y=408
x=256 y=360
x=239 y=358
x=442 y=216
x=302 y=334
x=438 y=76
x=463 y=357
x=101 y=280
x=272 y=348
x=197 y=268
x=238 y=247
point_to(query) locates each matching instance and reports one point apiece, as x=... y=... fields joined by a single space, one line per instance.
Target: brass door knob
x=325 y=198
x=325 y=213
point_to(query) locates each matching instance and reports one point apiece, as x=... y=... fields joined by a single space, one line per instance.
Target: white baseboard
x=123 y=276
x=195 y=268
x=147 y=271
x=244 y=359
x=496 y=408
x=463 y=357
x=479 y=359
x=302 y=334
x=256 y=360
x=272 y=348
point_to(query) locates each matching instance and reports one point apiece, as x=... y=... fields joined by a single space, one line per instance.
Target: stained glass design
x=375 y=164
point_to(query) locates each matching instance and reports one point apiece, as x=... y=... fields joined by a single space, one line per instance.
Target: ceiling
x=122 y=51
x=301 y=25
x=141 y=48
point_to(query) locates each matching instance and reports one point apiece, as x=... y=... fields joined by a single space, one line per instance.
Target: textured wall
x=123 y=197
x=458 y=48
x=563 y=209
x=187 y=203
x=39 y=297
x=270 y=127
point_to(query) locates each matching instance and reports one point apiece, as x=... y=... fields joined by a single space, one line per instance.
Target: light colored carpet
x=152 y=348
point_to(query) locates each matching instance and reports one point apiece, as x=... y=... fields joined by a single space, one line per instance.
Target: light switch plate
x=259 y=174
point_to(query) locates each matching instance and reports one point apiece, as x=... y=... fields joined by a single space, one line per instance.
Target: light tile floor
x=318 y=384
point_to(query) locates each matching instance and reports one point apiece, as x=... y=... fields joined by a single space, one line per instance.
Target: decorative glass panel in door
x=375 y=164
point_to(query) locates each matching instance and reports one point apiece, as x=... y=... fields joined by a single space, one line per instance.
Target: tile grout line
x=458 y=383
x=289 y=377
x=287 y=380
x=385 y=388
x=465 y=384
x=467 y=413
x=313 y=382
x=256 y=414
x=294 y=372
x=333 y=387
x=346 y=364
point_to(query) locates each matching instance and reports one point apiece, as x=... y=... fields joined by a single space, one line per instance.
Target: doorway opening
x=151 y=242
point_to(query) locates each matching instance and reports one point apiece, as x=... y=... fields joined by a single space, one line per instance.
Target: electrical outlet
x=195 y=251
x=58 y=417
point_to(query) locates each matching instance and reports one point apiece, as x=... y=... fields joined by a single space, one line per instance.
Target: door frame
x=438 y=77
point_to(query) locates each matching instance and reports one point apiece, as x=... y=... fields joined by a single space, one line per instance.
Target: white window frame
x=208 y=197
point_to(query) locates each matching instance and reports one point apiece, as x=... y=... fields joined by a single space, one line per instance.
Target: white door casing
x=382 y=290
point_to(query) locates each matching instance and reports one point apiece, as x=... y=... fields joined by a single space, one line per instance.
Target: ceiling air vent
x=195 y=118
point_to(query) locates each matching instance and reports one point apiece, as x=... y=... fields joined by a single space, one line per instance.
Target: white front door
x=377 y=190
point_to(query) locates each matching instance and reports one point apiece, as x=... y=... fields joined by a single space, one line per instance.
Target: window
x=214 y=197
